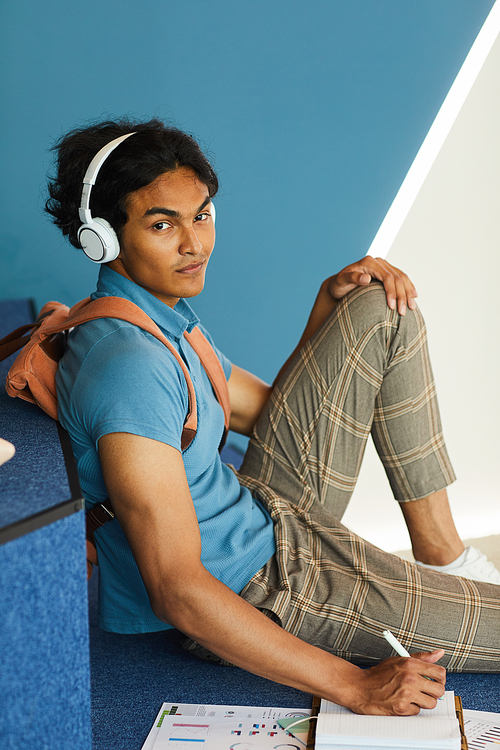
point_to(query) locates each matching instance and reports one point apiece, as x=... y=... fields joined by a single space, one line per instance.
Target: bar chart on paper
x=482 y=730
x=204 y=727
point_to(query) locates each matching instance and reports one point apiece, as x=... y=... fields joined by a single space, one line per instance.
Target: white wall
x=449 y=244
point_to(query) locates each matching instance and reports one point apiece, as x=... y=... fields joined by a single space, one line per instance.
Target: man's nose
x=190 y=242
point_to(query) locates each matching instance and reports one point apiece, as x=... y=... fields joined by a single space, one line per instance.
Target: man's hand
x=398 y=287
x=399 y=686
x=399 y=290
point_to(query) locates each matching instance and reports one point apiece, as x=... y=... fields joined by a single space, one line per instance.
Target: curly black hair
x=154 y=149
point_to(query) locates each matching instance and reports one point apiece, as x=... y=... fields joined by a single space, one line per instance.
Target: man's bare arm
x=248 y=395
x=148 y=487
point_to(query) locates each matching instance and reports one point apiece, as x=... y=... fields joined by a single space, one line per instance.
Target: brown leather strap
x=17 y=339
x=95 y=518
x=14 y=341
x=98 y=515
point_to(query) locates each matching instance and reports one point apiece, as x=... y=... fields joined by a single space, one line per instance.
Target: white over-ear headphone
x=96 y=236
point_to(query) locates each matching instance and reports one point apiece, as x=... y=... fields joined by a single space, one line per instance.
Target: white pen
x=398 y=648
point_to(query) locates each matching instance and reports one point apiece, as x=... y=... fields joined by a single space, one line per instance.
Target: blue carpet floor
x=133 y=674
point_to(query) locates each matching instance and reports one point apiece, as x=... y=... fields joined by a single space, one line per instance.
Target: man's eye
x=202 y=217
x=160 y=225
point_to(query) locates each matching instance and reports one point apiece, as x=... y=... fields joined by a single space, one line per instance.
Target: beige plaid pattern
x=366 y=370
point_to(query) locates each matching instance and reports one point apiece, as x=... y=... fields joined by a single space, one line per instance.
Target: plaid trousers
x=365 y=371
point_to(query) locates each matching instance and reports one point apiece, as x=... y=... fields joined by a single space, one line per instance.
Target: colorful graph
x=486 y=739
x=188 y=733
x=481 y=734
x=198 y=726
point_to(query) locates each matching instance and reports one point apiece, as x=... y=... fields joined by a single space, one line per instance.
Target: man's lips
x=192 y=268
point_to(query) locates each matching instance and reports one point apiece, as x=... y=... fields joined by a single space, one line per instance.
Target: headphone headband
x=91 y=176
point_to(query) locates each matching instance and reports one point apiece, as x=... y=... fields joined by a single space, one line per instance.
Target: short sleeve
x=130 y=382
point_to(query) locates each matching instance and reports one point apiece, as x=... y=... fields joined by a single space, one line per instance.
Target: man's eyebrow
x=168 y=211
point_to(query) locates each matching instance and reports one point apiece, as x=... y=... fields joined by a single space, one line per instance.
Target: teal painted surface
x=312 y=110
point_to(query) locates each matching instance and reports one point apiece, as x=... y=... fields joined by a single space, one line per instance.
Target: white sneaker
x=471 y=564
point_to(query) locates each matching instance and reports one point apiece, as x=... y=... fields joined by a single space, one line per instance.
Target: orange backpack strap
x=123 y=309
x=213 y=368
x=32 y=376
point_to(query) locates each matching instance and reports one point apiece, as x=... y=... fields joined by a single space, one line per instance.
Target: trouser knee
x=368 y=302
x=367 y=308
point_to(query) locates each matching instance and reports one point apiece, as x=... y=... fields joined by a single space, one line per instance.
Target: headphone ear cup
x=99 y=241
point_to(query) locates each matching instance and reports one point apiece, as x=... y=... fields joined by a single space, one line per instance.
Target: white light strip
x=437 y=135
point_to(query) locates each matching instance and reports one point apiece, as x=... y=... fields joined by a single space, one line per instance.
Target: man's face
x=169 y=237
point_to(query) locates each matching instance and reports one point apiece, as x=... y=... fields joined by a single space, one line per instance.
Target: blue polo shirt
x=115 y=377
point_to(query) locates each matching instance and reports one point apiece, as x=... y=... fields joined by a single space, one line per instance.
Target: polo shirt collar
x=173 y=321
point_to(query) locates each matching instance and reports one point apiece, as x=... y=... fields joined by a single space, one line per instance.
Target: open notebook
x=435 y=729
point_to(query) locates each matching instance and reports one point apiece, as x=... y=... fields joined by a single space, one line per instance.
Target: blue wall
x=312 y=109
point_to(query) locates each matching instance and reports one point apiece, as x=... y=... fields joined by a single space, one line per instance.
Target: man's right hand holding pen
x=405 y=684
